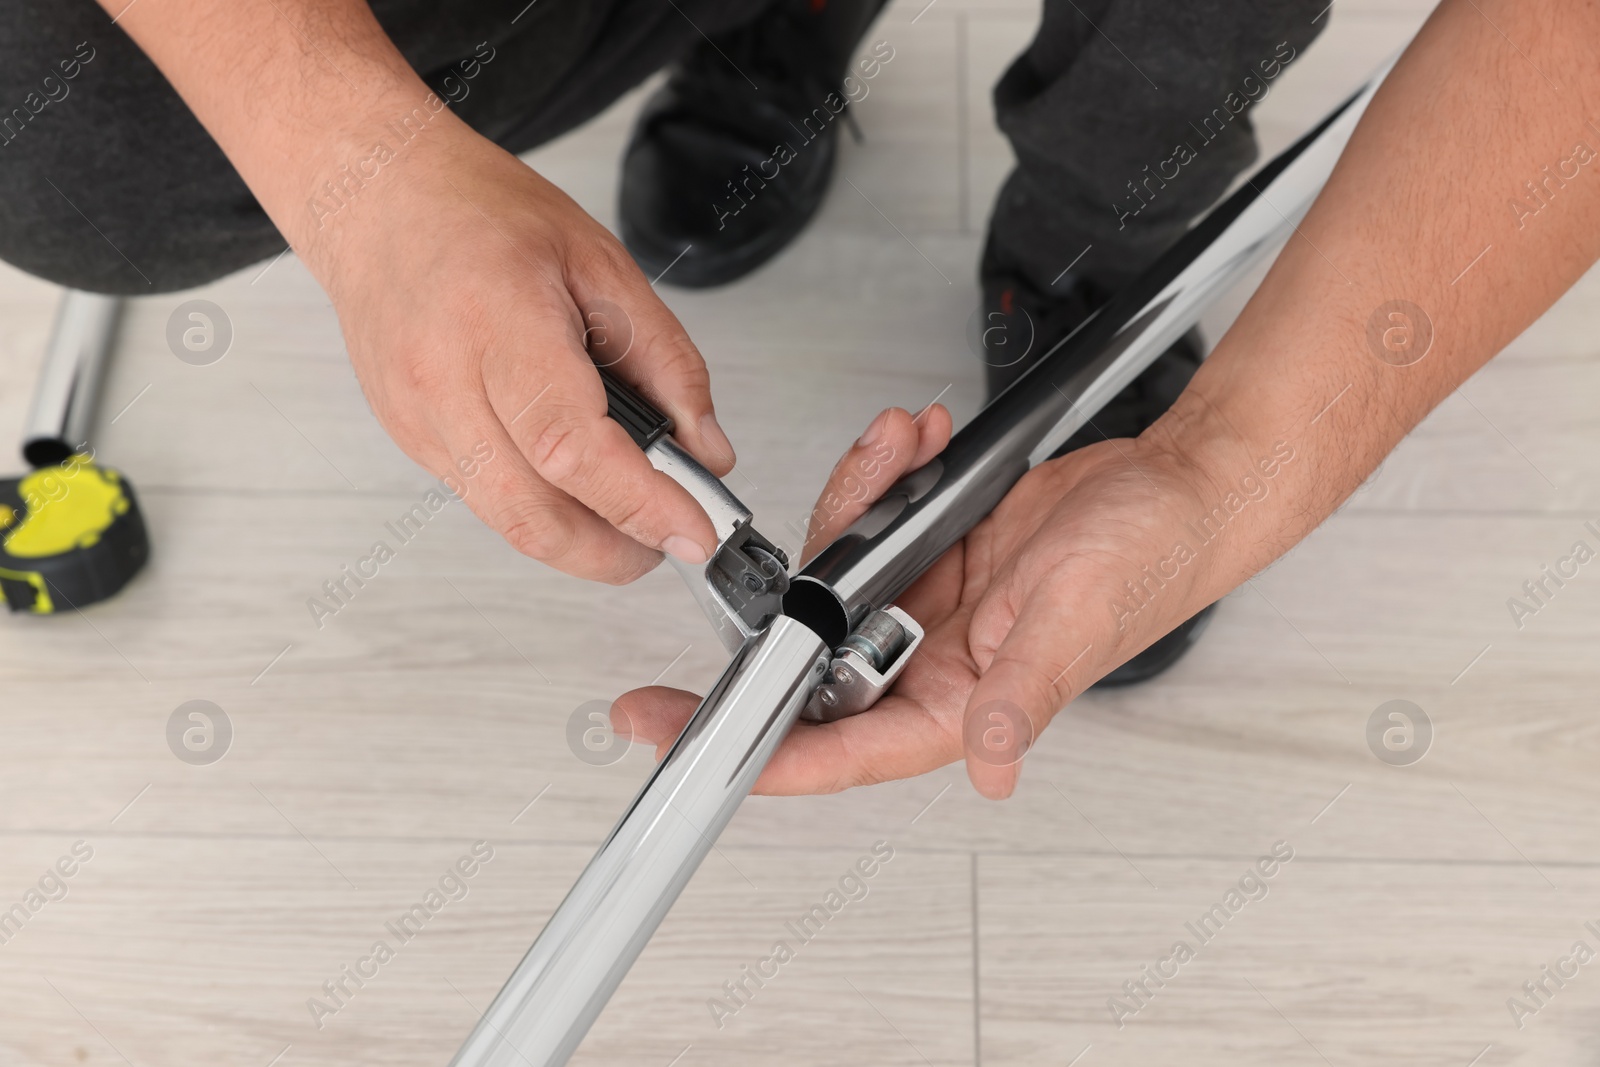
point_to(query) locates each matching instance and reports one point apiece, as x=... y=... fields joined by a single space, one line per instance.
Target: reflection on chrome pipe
x=600 y=928
x=69 y=379
x=902 y=535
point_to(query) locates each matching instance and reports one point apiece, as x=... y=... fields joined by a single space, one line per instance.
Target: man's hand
x=1021 y=616
x=472 y=296
x=471 y=291
x=1432 y=208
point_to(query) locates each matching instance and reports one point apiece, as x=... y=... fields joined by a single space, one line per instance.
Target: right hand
x=470 y=291
x=1021 y=615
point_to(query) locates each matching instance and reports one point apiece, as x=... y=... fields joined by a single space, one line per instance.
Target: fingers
x=501 y=487
x=895 y=443
x=940 y=711
x=469 y=324
x=628 y=329
x=933 y=425
x=1027 y=679
x=915 y=729
x=653 y=715
x=896 y=738
x=937 y=594
x=554 y=410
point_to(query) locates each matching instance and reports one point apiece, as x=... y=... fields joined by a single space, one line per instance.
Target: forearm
x=1430 y=180
x=292 y=90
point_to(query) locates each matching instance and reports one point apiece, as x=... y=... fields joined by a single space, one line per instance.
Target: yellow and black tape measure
x=70 y=535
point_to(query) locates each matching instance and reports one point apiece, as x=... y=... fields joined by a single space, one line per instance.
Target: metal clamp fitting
x=740 y=588
x=865 y=665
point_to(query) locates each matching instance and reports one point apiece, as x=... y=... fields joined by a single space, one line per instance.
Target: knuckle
x=677 y=355
x=631 y=571
x=608 y=254
x=474 y=324
x=635 y=518
x=675 y=363
x=420 y=371
x=597 y=257
x=543 y=534
x=844 y=780
x=557 y=449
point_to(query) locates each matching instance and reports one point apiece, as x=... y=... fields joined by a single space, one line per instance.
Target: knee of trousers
x=108 y=232
x=107 y=182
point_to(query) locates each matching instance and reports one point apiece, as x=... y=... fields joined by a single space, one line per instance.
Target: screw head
x=843 y=675
x=828 y=697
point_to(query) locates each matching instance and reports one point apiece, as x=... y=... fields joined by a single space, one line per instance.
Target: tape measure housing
x=70 y=535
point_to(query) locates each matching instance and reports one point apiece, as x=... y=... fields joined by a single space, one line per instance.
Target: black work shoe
x=720 y=175
x=1018 y=324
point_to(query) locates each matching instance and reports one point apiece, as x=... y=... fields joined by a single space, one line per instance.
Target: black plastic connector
x=637 y=415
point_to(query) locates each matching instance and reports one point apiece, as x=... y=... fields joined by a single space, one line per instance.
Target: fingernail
x=874 y=431
x=680 y=547
x=715 y=439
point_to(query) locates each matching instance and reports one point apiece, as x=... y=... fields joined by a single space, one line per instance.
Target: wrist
x=1253 y=490
x=348 y=190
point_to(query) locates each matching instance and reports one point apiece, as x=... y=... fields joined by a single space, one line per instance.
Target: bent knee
x=107 y=181
x=89 y=238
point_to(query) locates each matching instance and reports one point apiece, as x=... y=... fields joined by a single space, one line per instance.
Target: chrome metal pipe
x=559 y=988
x=932 y=508
x=69 y=381
x=605 y=921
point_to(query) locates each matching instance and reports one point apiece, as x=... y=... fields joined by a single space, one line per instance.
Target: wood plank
x=209 y=949
x=1398 y=963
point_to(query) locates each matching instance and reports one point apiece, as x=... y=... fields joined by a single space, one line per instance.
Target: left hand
x=1022 y=615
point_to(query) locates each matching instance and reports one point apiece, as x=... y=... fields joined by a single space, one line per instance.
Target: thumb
x=1030 y=677
x=638 y=338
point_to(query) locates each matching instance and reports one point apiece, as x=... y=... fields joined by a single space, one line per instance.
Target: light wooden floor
x=432 y=712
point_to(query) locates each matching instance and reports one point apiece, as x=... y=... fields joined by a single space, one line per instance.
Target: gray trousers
x=108 y=183
x=1129 y=118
